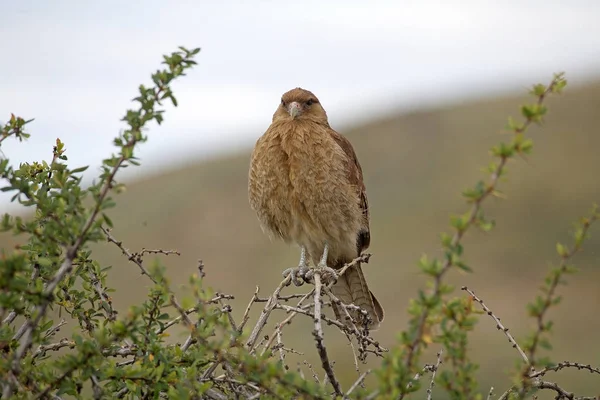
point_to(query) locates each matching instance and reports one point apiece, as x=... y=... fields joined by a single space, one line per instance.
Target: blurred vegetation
x=416 y=166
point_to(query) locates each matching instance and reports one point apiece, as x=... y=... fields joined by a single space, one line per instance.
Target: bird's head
x=300 y=105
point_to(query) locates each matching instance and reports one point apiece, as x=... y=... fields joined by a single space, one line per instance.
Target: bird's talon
x=308 y=277
x=328 y=274
x=285 y=274
x=297 y=275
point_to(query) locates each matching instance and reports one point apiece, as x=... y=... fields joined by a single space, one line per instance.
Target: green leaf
x=538 y=90
x=80 y=169
x=107 y=220
x=462 y=266
x=562 y=250
x=45 y=262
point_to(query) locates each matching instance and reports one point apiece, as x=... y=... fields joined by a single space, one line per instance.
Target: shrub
x=115 y=356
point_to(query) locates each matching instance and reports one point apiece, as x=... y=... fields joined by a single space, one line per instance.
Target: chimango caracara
x=306 y=186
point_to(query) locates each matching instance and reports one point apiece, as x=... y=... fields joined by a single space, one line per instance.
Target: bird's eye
x=282 y=102
x=310 y=102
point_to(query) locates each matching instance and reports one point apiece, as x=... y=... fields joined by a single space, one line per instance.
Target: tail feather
x=351 y=288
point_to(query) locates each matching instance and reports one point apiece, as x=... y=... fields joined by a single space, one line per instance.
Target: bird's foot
x=327 y=274
x=298 y=274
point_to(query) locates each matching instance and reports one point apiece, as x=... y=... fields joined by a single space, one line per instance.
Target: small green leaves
x=476 y=193
x=460 y=222
x=14 y=127
x=548 y=298
x=534 y=112
x=432 y=268
x=503 y=151
x=559 y=83
x=57 y=238
x=514 y=126
x=538 y=90
x=59 y=150
x=80 y=169
x=456 y=317
x=562 y=250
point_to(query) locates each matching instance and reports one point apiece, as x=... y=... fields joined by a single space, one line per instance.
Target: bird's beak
x=294 y=109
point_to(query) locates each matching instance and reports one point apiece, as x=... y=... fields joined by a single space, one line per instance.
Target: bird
x=306 y=187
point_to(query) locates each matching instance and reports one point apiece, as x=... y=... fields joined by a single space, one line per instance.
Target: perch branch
x=318 y=334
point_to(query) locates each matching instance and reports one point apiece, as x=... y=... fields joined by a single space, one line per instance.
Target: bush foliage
x=114 y=355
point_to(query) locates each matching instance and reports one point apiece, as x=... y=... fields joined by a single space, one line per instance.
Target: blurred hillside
x=415 y=167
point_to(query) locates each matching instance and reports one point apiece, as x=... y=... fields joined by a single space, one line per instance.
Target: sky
x=74 y=66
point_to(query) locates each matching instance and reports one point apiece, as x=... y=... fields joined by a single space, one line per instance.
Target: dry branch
x=318 y=334
x=499 y=325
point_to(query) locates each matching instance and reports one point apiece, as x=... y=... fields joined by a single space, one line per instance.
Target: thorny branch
x=565 y=364
x=435 y=369
x=273 y=302
x=490 y=189
x=318 y=334
x=135 y=258
x=533 y=375
x=565 y=255
x=499 y=325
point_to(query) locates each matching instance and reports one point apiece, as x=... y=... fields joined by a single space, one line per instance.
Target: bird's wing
x=355 y=177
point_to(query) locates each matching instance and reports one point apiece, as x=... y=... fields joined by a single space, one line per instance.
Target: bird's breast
x=324 y=204
x=300 y=189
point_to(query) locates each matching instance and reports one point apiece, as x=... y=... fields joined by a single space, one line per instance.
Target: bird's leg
x=323 y=262
x=327 y=272
x=298 y=273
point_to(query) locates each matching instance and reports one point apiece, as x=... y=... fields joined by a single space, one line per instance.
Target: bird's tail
x=351 y=288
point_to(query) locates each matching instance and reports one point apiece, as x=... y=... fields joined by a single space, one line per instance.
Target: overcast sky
x=75 y=65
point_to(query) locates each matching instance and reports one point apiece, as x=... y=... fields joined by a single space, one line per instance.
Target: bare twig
x=285 y=298
x=289 y=318
x=560 y=392
x=266 y=312
x=312 y=371
x=499 y=325
x=363 y=258
x=226 y=308
x=379 y=350
x=191 y=310
x=137 y=260
x=435 y=368
x=372 y=395
x=357 y=382
x=96 y=387
x=565 y=364
x=354 y=357
x=318 y=334
x=188 y=322
x=159 y=251
x=427 y=368
x=325 y=377
x=246 y=316
x=42 y=349
x=53 y=330
x=352 y=323
x=280 y=348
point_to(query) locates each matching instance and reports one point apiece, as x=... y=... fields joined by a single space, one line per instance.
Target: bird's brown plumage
x=306 y=186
